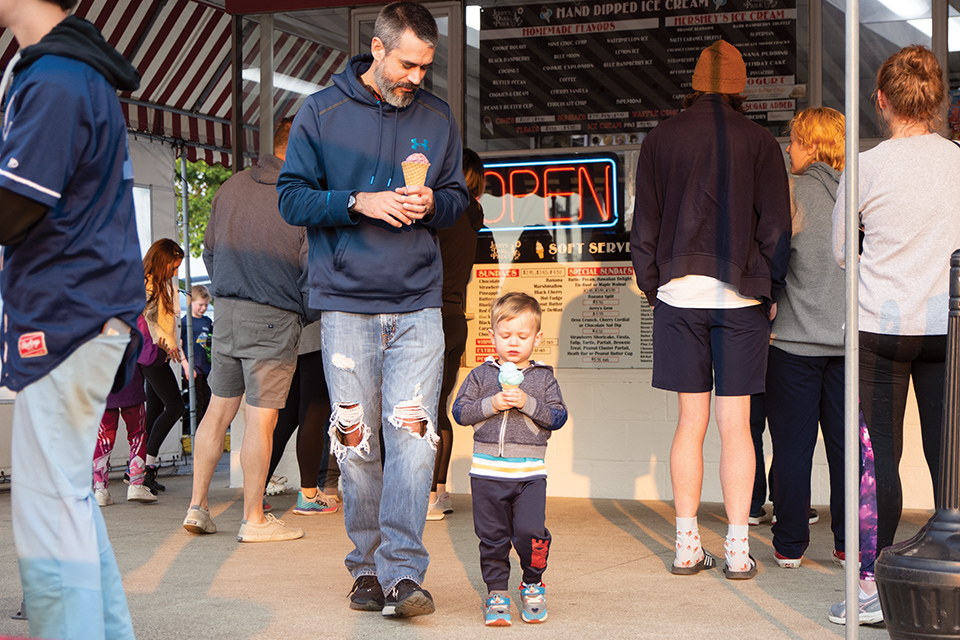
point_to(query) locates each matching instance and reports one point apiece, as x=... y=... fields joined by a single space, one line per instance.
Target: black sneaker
x=367 y=594
x=150 y=480
x=408 y=599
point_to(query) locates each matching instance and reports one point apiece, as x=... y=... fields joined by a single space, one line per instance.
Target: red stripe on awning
x=178 y=59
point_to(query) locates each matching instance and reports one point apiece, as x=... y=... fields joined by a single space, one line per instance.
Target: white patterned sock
x=689 y=549
x=736 y=548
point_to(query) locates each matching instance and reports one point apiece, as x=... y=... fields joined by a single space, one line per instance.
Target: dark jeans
x=164 y=403
x=802 y=392
x=454 y=344
x=758 y=422
x=887 y=362
x=308 y=406
x=202 y=392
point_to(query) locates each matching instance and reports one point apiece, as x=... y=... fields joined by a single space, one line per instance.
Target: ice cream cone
x=415 y=173
x=507 y=387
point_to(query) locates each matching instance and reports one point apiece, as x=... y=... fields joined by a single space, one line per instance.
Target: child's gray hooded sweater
x=517 y=433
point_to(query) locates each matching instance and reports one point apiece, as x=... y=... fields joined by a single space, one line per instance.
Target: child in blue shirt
x=202 y=342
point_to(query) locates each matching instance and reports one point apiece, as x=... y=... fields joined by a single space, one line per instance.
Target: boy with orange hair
x=805 y=363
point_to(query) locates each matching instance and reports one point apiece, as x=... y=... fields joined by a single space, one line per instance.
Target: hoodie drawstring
x=379 y=134
x=396 y=133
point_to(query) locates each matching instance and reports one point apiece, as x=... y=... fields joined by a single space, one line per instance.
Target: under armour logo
x=425 y=145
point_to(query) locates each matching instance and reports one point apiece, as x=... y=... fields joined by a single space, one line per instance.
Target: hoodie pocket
x=341 y=249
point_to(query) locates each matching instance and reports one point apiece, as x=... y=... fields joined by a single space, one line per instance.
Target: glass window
x=309 y=47
x=144 y=215
x=886 y=27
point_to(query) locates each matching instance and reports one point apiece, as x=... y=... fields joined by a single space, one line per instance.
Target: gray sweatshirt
x=516 y=433
x=910 y=212
x=251 y=253
x=810 y=311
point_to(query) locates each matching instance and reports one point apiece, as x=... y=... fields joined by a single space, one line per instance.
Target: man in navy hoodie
x=375 y=273
x=72 y=285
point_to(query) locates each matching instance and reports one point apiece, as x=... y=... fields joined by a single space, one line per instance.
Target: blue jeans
x=383 y=373
x=71 y=584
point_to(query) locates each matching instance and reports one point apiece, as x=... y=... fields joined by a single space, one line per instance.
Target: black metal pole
x=919 y=580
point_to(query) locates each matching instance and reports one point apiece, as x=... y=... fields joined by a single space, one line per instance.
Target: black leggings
x=454 y=344
x=887 y=363
x=308 y=406
x=164 y=403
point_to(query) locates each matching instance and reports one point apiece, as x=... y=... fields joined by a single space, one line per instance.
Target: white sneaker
x=443 y=502
x=277 y=485
x=272 y=530
x=434 y=512
x=139 y=493
x=104 y=499
x=198 y=520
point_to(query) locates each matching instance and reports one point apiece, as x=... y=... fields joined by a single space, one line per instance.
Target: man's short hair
x=512 y=305
x=397 y=17
x=198 y=291
x=281 y=133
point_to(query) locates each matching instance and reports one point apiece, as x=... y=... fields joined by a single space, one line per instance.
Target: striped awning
x=182 y=49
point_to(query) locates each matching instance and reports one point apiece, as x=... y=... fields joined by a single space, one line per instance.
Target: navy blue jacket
x=344 y=139
x=712 y=200
x=65 y=147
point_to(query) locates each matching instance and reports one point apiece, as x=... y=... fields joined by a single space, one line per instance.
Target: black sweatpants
x=510 y=513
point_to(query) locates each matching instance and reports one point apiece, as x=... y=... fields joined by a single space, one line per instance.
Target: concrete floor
x=607 y=578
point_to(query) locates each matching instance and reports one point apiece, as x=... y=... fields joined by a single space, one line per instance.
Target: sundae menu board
x=585 y=68
x=594 y=317
x=554 y=228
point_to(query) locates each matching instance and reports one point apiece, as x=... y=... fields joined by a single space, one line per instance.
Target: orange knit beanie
x=720 y=69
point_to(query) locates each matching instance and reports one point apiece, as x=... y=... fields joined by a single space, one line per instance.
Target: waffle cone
x=507 y=387
x=415 y=173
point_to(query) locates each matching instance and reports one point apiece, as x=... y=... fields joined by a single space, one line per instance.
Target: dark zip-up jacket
x=343 y=140
x=712 y=199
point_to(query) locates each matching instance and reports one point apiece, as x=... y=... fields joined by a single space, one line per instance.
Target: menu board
x=622 y=67
x=593 y=314
x=554 y=228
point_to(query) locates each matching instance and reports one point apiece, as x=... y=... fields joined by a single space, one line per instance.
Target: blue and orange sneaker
x=497 y=610
x=534 y=600
x=314 y=506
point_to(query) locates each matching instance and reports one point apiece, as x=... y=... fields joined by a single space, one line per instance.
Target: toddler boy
x=513 y=403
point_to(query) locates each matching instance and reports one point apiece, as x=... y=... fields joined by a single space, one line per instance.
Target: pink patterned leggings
x=134 y=419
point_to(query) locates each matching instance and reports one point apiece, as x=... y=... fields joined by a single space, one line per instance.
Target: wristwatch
x=351 y=201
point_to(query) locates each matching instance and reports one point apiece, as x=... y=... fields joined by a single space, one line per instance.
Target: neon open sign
x=577 y=191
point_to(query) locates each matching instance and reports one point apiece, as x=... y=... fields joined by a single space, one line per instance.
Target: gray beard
x=388 y=90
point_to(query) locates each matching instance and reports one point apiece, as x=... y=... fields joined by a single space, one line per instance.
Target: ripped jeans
x=383 y=373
